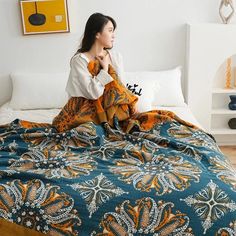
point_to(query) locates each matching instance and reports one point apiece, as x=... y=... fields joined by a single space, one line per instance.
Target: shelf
x=223 y=111
x=224 y=91
x=223 y=131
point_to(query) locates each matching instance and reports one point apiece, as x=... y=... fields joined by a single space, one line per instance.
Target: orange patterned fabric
x=116 y=101
x=8 y=229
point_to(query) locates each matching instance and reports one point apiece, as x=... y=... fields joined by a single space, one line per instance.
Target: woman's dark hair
x=95 y=24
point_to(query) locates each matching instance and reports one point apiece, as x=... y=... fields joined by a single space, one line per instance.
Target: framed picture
x=44 y=16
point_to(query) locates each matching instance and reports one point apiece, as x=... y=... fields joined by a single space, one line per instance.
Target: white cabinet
x=208 y=47
x=220 y=113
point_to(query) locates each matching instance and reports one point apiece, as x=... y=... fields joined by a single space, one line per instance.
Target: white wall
x=150 y=35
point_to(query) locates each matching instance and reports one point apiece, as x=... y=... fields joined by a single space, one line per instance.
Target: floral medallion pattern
x=38 y=206
x=4 y=173
x=146 y=216
x=162 y=173
x=188 y=151
x=228 y=231
x=82 y=136
x=210 y=204
x=54 y=164
x=154 y=138
x=108 y=149
x=223 y=170
x=103 y=152
x=192 y=136
x=97 y=191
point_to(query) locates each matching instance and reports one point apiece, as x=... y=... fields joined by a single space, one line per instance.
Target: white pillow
x=142 y=85
x=38 y=91
x=160 y=88
x=170 y=90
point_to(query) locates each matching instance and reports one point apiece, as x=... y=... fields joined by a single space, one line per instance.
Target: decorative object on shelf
x=235 y=77
x=232 y=104
x=44 y=16
x=228 y=74
x=225 y=4
x=232 y=123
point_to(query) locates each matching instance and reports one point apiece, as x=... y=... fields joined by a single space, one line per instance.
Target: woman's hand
x=104 y=61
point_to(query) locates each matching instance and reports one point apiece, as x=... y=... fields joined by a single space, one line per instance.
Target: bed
x=171 y=180
x=7 y=114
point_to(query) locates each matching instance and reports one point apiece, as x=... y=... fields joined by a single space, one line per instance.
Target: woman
x=95 y=88
x=98 y=38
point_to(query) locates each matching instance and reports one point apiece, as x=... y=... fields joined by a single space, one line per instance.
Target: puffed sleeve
x=82 y=84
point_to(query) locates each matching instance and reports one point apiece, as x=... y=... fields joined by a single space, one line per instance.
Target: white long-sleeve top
x=82 y=84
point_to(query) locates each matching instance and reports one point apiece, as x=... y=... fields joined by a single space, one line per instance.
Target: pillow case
x=38 y=91
x=159 y=88
x=140 y=84
x=170 y=90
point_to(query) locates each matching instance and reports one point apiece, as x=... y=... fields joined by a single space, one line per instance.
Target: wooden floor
x=230 y=152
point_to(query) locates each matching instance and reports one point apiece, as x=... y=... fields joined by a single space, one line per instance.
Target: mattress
x=7 y=114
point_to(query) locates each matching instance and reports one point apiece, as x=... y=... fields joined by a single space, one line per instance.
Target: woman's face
x=106 y=37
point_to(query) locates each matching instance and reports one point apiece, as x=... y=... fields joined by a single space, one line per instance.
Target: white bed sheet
x=7 y=114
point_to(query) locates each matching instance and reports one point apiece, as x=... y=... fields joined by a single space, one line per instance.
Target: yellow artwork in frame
x=44 y=16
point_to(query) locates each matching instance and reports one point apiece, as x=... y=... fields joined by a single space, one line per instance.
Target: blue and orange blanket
x=167 y=178
x=171 y=180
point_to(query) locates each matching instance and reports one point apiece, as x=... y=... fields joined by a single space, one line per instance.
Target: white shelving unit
x=208 y=47
x=222 y=131
x=220 y=113
x=223 y=91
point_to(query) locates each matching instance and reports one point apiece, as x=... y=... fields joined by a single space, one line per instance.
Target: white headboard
x=5 y=88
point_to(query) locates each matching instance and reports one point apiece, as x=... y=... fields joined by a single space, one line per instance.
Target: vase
x=232 y=104
x=232 y=123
